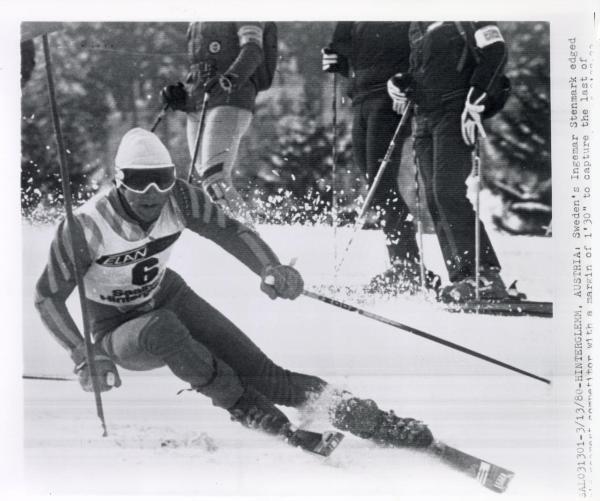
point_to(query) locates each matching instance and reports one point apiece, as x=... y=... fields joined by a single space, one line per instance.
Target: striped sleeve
x=58 y=281
x=250 y=32
x=208 y=220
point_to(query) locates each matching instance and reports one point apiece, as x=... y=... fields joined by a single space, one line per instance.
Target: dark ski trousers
x=445 y=163
x=202 y=347
x=373 y=126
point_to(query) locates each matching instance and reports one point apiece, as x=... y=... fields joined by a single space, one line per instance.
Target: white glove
x=330 y=60
x=470 y=120
x=107 y=375
x=399 y=98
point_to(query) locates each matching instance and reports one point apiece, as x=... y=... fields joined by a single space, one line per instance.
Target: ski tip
x=498 y=480
x=489 y=475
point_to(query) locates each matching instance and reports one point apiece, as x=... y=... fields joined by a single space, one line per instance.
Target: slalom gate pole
x=417 y=332
x=477 y=177
x=334 y=205
x=360 y=220
x=66 y=187
x=198 y=136
x=160 y=116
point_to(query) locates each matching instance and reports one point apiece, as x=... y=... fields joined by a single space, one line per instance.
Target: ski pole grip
x=270 y=279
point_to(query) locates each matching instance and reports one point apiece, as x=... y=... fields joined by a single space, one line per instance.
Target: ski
x=322 y=444
x=487 y=474
x=515 y=306
x=505 y=308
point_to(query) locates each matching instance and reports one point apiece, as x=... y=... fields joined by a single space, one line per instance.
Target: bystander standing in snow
x=232 y=62
x=451 y=85
x=369 y=53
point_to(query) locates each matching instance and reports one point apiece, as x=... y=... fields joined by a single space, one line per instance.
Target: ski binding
x=322 y=444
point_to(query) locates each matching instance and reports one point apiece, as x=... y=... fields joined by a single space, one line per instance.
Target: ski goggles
x=140 y=180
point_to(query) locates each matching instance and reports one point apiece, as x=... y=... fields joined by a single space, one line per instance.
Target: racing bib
x=128 y=273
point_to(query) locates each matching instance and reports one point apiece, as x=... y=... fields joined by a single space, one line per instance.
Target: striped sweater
x=123 y=264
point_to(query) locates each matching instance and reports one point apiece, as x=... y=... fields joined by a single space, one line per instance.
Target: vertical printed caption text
x=580 y=106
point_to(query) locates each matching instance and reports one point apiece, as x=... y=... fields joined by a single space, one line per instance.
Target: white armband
x=487 y=35
x=251 y=33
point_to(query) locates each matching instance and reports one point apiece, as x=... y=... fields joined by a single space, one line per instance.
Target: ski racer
x=369 y=53
x=144 y=316
x=451 y=88
x=227 y=61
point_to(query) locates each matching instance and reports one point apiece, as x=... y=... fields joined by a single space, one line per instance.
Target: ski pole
x=198 y=135
x=40 y=377
x=334 y=170
x=66 y=187
x=477 y=178
x=423 y=334
x=360 y=221
x=109 y=379
x=159 y=117
x=419 y=224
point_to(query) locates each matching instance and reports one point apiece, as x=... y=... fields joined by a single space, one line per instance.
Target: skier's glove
x=106 y=371
x=398 y=88
x=175 y=96
x=470 y=120
x=281 y=281
x=227 y=83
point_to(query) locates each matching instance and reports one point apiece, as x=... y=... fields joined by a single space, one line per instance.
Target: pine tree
x=520 y=135
x=108 y=77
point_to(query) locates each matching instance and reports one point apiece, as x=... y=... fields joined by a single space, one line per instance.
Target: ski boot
x=254 y=411
x=491 y=288
x=364 y=419
x=403 y=278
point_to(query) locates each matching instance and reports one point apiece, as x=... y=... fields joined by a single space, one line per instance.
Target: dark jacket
x=217 y=48
x=374 y=51
x=443 y=66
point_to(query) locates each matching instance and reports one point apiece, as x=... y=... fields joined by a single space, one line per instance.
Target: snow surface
x=163 y=443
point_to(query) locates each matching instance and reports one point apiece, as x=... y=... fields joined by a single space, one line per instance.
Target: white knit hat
x=141 y=149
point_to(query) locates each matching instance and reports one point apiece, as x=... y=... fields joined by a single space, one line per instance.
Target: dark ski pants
x=373 y=126
x=445 y=163
x=203 y=348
